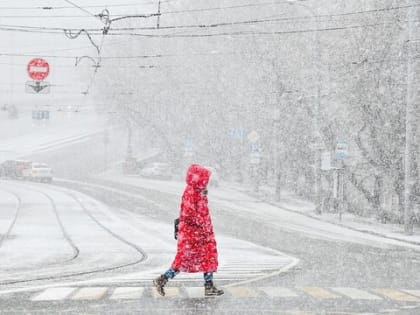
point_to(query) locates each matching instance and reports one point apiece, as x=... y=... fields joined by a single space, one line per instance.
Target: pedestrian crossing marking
x=356 y=294
x=90 y=293
x=413 y=292
x=397 y=295
x=169 y=292
x=319 y=293
x=278 y=292
x=137 y=292
x=242 y=292
x=123 y=293
x=195 y=292
x=53 y=294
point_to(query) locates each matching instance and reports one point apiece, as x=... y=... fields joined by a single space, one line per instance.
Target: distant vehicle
x=41 y=172
x=15 y=169
x=157 y=170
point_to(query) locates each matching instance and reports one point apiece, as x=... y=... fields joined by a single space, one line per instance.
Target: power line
x=200 y=26
x=86 y=6
x=237 y=33
x=248 y=33
x=80 y=8
x=120 y=57
x=227 y=7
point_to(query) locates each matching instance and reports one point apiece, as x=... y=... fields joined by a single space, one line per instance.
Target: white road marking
x=53 y=294
x=278 y=292
x=195 y=292
x=356 y=294
x=397 y=295
x=121 y=293
x=413 y=292
x=319 y=293
x=242 y=292
x=169 y=292
x=127 y=293
x=90 y=293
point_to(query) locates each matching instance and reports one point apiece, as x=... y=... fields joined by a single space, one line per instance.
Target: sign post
x=341 y=153
x=38 y=69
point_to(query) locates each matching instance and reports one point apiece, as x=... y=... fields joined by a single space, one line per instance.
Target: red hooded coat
x=197 y=249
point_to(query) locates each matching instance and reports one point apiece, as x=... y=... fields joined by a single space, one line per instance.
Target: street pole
x=409 y=178
x=277 y=193
x=318 y=142
x=279 y=91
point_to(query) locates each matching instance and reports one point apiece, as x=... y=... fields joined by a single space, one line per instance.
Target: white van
x=41 y=172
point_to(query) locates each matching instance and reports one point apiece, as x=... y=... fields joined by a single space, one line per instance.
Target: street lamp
x=317 y=68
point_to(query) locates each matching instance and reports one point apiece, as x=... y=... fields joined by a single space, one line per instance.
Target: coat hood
x=198 y=176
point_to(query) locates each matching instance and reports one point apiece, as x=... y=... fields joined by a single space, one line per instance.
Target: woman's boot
x=160 y=283
x=211 y=290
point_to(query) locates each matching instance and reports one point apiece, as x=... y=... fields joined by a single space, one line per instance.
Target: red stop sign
x=38 y=69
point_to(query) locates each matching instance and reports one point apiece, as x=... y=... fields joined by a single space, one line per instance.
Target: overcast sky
x=17 y=48
x=67 y=81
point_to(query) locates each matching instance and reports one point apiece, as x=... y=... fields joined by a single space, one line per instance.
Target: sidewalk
x=371 y=226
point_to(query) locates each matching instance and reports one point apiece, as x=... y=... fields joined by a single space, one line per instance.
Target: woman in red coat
x=197 y=249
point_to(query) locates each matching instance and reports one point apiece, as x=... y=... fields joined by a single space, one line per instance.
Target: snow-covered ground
x=61 y=232
x=23 y=136
x=290 y=213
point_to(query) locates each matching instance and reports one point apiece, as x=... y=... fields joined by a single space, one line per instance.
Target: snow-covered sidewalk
x=357 y=223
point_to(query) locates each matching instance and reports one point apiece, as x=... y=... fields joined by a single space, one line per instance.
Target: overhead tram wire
x=97 y=62
x=245 y=33
x=394 y=8
x=102 y=6
x=50 y=30
x=236 y=33
x=59 y=30
x=86 y=6
x=80 y=8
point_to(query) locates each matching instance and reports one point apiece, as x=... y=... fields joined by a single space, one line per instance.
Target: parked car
x=41 y=172
x=157 y=170
x=15 y=169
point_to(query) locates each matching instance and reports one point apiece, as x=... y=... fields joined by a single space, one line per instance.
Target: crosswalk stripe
x=397 y=295
x=319 y=293
x=195 y=292
x=278 y=292
x=169 y=292
x=125 y=292
x=53 y=294
x=242 y=292
x=413 y=292
x=356 y=294
x=90 y=293
x=122 y=293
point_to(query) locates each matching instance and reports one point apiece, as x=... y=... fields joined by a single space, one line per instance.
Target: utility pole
x=410 y=130
x=158 y=17
x=279 y=92
x=317 y=111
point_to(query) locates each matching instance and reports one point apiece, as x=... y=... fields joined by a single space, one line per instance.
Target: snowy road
x=339 y=270
x=54 y=234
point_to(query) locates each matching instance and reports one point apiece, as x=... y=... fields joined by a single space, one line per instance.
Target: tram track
x=142 y=255
x=66 y=235
x=16 y=214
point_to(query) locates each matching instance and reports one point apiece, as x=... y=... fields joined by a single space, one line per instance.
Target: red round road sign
x=38 y=69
